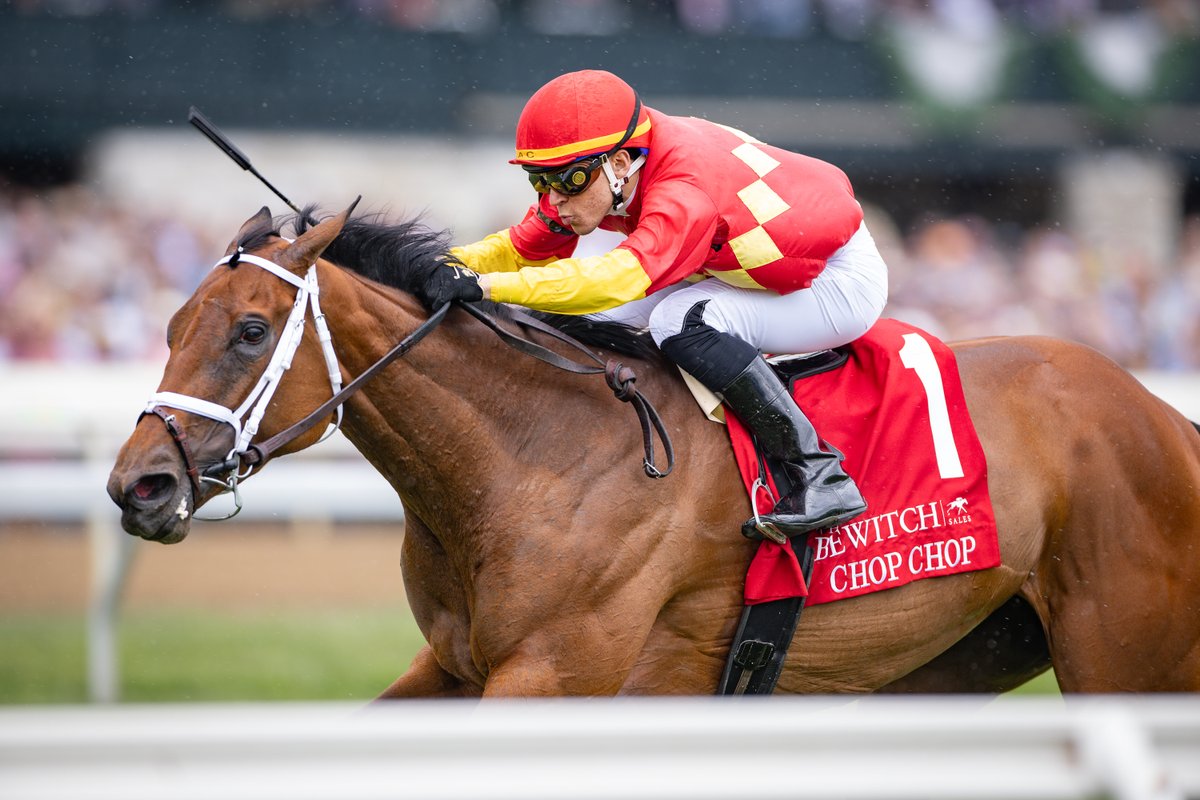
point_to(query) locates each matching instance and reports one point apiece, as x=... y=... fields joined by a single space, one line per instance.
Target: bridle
x=247 y=417
x=246 y=456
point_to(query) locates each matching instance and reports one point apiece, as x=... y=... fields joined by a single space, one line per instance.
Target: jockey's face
x=583 y=212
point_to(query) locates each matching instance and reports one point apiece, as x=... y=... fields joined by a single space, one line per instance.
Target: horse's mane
x=403 y=254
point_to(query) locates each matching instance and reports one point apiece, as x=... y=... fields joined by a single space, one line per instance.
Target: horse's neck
x=442 y=420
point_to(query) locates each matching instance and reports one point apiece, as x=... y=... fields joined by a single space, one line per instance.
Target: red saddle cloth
x=896 y=410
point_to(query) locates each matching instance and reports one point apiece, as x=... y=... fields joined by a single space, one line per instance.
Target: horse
x=538 y=560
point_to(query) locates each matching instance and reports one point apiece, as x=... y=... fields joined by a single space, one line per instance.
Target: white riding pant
x=842 y=303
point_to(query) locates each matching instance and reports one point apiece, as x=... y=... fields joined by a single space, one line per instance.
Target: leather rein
x=247 y=456
x=619 y=377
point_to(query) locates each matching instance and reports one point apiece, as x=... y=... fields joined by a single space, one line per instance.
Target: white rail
x=60 y=428
x=72 y=419
x=698 y=749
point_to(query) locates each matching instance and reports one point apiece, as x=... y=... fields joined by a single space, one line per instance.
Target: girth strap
x=763 y=636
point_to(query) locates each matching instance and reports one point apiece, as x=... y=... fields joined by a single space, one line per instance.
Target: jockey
x=733 y=248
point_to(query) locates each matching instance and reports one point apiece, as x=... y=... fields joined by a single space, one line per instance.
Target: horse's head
x=217 y=390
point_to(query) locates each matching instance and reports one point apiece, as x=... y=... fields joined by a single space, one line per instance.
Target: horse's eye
x=253 y=333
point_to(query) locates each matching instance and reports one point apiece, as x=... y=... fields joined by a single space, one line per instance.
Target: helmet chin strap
x=616 y=184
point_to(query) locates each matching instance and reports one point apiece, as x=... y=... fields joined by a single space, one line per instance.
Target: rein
x=256 y=454
x=246 y=456
x=620 y=379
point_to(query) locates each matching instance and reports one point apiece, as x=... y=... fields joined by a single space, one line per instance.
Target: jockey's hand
x=450 y=283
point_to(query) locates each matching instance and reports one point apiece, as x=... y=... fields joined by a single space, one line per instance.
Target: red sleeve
x=535 y=240
x=674 y=234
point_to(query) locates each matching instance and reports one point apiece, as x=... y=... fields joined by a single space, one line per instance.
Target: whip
x=214 y=134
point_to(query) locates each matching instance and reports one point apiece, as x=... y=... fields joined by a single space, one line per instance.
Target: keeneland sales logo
x=958 y=507
x=920 y=517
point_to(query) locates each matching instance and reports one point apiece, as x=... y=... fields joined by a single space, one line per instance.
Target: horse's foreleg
x=526 y=679
x=427 y=678
x=561 y=664
x=521 y=681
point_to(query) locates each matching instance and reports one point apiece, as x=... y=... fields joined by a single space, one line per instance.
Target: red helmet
x=580 y=114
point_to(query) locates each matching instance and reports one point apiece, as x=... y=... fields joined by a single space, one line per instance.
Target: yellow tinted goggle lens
x=570 y=181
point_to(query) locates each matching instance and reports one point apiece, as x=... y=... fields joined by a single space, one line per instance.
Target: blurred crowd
x=84 y=280
x=958 y=278
x=847 y=19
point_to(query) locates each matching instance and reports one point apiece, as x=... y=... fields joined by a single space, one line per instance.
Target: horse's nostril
x=151 y=487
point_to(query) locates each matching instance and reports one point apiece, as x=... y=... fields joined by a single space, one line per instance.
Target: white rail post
x=111 y=555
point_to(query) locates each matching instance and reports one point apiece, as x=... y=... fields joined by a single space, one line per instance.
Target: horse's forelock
x=259 y=235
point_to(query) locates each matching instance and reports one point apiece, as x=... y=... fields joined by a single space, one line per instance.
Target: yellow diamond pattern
x=754 y=248
x=756 y=159
x=763 y=202
x=737 y=277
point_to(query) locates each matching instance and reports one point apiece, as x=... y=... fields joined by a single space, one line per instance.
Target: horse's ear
x=257 y=222
x=304 y=252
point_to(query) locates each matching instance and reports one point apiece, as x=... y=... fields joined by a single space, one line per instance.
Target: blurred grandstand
x=1028 y=166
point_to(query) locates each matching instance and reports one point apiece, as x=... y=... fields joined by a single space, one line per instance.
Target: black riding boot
x=822 y=494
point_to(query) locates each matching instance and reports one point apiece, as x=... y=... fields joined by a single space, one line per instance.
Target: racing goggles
x=571 y=180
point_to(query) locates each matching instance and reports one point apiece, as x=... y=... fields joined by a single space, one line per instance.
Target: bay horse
x=539 y=560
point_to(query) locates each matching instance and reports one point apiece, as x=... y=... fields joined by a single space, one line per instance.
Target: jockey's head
x=574 y=126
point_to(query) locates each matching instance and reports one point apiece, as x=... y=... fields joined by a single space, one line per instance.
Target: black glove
x=450 y=283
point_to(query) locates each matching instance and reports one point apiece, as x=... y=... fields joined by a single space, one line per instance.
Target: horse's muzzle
x=155 y=506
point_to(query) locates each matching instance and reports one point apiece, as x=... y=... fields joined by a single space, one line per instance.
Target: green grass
x=193 y=656
x=1042 y=684
x=184 y=656
x=42 y=659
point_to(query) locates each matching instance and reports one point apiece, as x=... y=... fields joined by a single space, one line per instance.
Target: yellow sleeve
x=574 y=285
x=494 y=253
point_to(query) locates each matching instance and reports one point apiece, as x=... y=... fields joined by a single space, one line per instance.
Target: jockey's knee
x=711 y=356
x=687 y=308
